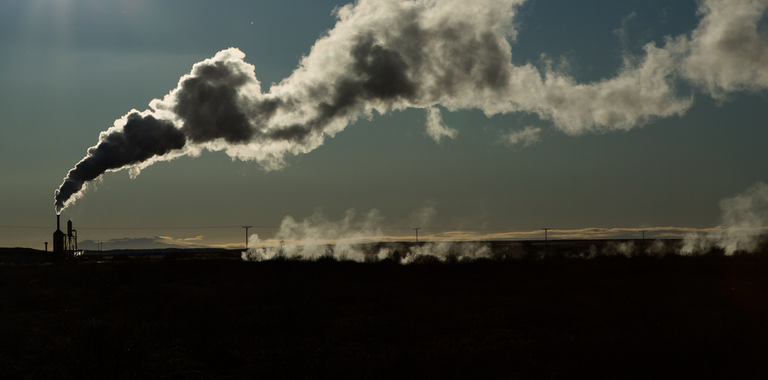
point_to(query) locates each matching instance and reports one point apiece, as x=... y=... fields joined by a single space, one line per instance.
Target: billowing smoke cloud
x=742 y=221
x=205 y=108
x=391 y=55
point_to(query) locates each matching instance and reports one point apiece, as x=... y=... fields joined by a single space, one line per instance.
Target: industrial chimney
x=58 y=238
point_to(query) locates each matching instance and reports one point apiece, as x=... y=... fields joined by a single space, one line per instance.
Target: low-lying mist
x=743 y=218
x=363 y=239
x=500 y=251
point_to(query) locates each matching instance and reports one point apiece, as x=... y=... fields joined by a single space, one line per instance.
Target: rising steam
x=391 y=54
x=312 y=237
x=317 y=236
x=741 y=225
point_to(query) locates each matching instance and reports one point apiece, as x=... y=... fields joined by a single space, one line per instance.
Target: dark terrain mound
x=219 y=317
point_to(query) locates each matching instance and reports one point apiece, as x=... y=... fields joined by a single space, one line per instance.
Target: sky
x=470 y=120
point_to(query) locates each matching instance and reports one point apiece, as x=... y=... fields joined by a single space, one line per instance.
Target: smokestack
x=58 y=237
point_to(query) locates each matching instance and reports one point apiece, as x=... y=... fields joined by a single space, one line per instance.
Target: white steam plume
x=387 y=55
x=728 y=51
x=423 y=216
x=436 y=129
x=448 y=251
x=525 y=137
x=743 y=218
x=312 y=237
x=318 y=236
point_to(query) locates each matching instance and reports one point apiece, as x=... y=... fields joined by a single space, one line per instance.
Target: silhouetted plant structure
x=371 y=258
x=280 y=255
x=395 y=256
x=327 y=256
x=453 y=256
x=425 y=259
x=343 y=255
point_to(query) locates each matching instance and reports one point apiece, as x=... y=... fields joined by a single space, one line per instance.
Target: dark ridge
x=221 y=318
x=20 y=251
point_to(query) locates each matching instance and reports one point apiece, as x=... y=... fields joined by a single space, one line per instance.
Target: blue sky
x=71 y=68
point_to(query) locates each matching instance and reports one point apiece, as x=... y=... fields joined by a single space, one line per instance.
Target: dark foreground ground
x=221 y=318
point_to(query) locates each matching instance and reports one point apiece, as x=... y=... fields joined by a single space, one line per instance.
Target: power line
x=274 y=227
x=314 y=227
x=167 y=228
x=246 y=235
x=28 y=227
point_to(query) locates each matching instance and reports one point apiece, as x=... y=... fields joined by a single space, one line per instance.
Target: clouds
x=389 y=55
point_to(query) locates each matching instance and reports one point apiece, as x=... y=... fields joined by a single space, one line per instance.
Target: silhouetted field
x=186 y=315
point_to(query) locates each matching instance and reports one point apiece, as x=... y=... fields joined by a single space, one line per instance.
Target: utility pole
x=546 y=246
x=643 y=231
x=417 y=233
x=246 y=235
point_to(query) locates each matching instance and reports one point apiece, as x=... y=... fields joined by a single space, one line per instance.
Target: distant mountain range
x=131 y=243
